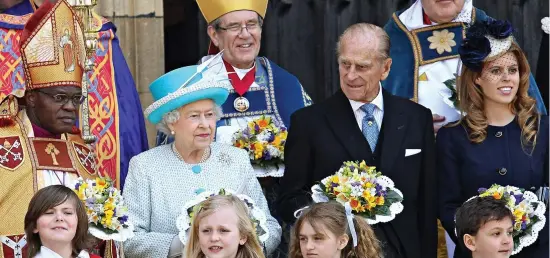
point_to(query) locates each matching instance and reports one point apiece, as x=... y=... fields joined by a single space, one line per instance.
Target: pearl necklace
x=196 y=168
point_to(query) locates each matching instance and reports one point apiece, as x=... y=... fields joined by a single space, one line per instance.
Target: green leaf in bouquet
x=368 y=215
x=451 y=86
x=222 y=192
x=266 y=163
x=383 y=210
x=322 y=186
x=108 y=231
x=393 y=197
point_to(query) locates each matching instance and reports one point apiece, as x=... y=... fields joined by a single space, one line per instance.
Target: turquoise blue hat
x=181 y=87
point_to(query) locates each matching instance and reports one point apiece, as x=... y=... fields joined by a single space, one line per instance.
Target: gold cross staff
x=51 y=150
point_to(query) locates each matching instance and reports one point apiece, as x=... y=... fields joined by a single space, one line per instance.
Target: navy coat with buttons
x=464 y=167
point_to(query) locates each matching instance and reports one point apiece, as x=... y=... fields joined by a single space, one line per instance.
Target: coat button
x=502 y=171
x=498 y=134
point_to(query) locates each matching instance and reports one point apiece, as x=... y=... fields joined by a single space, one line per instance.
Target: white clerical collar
x=242 y=72
x=378 y=101
x=48 y=253
x=413 y=17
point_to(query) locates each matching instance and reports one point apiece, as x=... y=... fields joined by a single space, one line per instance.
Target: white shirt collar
x=378 y=101
x=412 y=18
x=48 y=253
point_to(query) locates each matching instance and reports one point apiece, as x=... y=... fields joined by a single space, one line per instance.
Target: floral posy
x=370 y=194
x=105 y=208
x=263 y=140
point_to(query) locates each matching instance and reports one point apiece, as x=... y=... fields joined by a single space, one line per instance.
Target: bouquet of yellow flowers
x=370 y=194
x=107 y=215
x=528 y=212
x=263 y=140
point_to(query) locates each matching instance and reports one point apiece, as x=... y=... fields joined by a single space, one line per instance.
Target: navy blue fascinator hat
x=485 y=41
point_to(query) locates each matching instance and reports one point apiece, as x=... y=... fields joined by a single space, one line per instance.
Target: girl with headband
x=330 y=230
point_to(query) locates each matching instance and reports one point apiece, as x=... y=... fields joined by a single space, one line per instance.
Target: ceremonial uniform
x=112 y=118
x=31 y=157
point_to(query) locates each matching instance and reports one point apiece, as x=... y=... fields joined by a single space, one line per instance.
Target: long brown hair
x=332 y=216
x=250 y=249
x=471 y=101
x=50 y=197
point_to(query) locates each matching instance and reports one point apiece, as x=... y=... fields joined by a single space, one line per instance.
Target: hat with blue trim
x=186 y=85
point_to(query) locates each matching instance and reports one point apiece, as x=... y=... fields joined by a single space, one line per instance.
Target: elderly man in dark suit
x=364 y=122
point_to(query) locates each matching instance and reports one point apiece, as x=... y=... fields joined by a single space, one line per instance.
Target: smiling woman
x=187 y=107
x=501 y=138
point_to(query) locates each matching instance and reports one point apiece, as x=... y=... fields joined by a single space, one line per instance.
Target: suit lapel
x=394 y=127
x=342 y=120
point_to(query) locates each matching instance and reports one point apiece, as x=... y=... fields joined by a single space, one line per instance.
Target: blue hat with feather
x=186 y=85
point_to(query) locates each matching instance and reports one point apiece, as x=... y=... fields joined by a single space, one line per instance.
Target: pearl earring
x=172 y=132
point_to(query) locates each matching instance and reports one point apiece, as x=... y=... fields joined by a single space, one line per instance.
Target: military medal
x=241 y=104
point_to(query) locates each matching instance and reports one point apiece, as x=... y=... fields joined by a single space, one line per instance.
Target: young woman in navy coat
x=501 y=137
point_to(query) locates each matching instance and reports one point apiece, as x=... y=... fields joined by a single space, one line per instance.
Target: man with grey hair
x=362 y=121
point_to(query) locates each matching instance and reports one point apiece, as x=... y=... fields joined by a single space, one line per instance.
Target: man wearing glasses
x=40 y=144
x=116 y=115
x=260 y=87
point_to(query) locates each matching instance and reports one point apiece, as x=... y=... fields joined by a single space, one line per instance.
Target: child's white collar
x=48 y=253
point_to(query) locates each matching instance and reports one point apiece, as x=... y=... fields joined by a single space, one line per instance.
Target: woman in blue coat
x=501 y=138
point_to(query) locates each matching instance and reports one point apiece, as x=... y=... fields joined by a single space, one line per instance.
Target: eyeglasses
x=62 y=98
x=251 y=27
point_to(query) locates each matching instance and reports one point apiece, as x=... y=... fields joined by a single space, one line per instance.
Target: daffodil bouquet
x=264 y=141
x=528 y=212
x=104 y=205
x=192 y=207
x=369 y=193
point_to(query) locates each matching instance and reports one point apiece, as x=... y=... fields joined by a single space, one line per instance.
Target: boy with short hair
x=484 y=227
